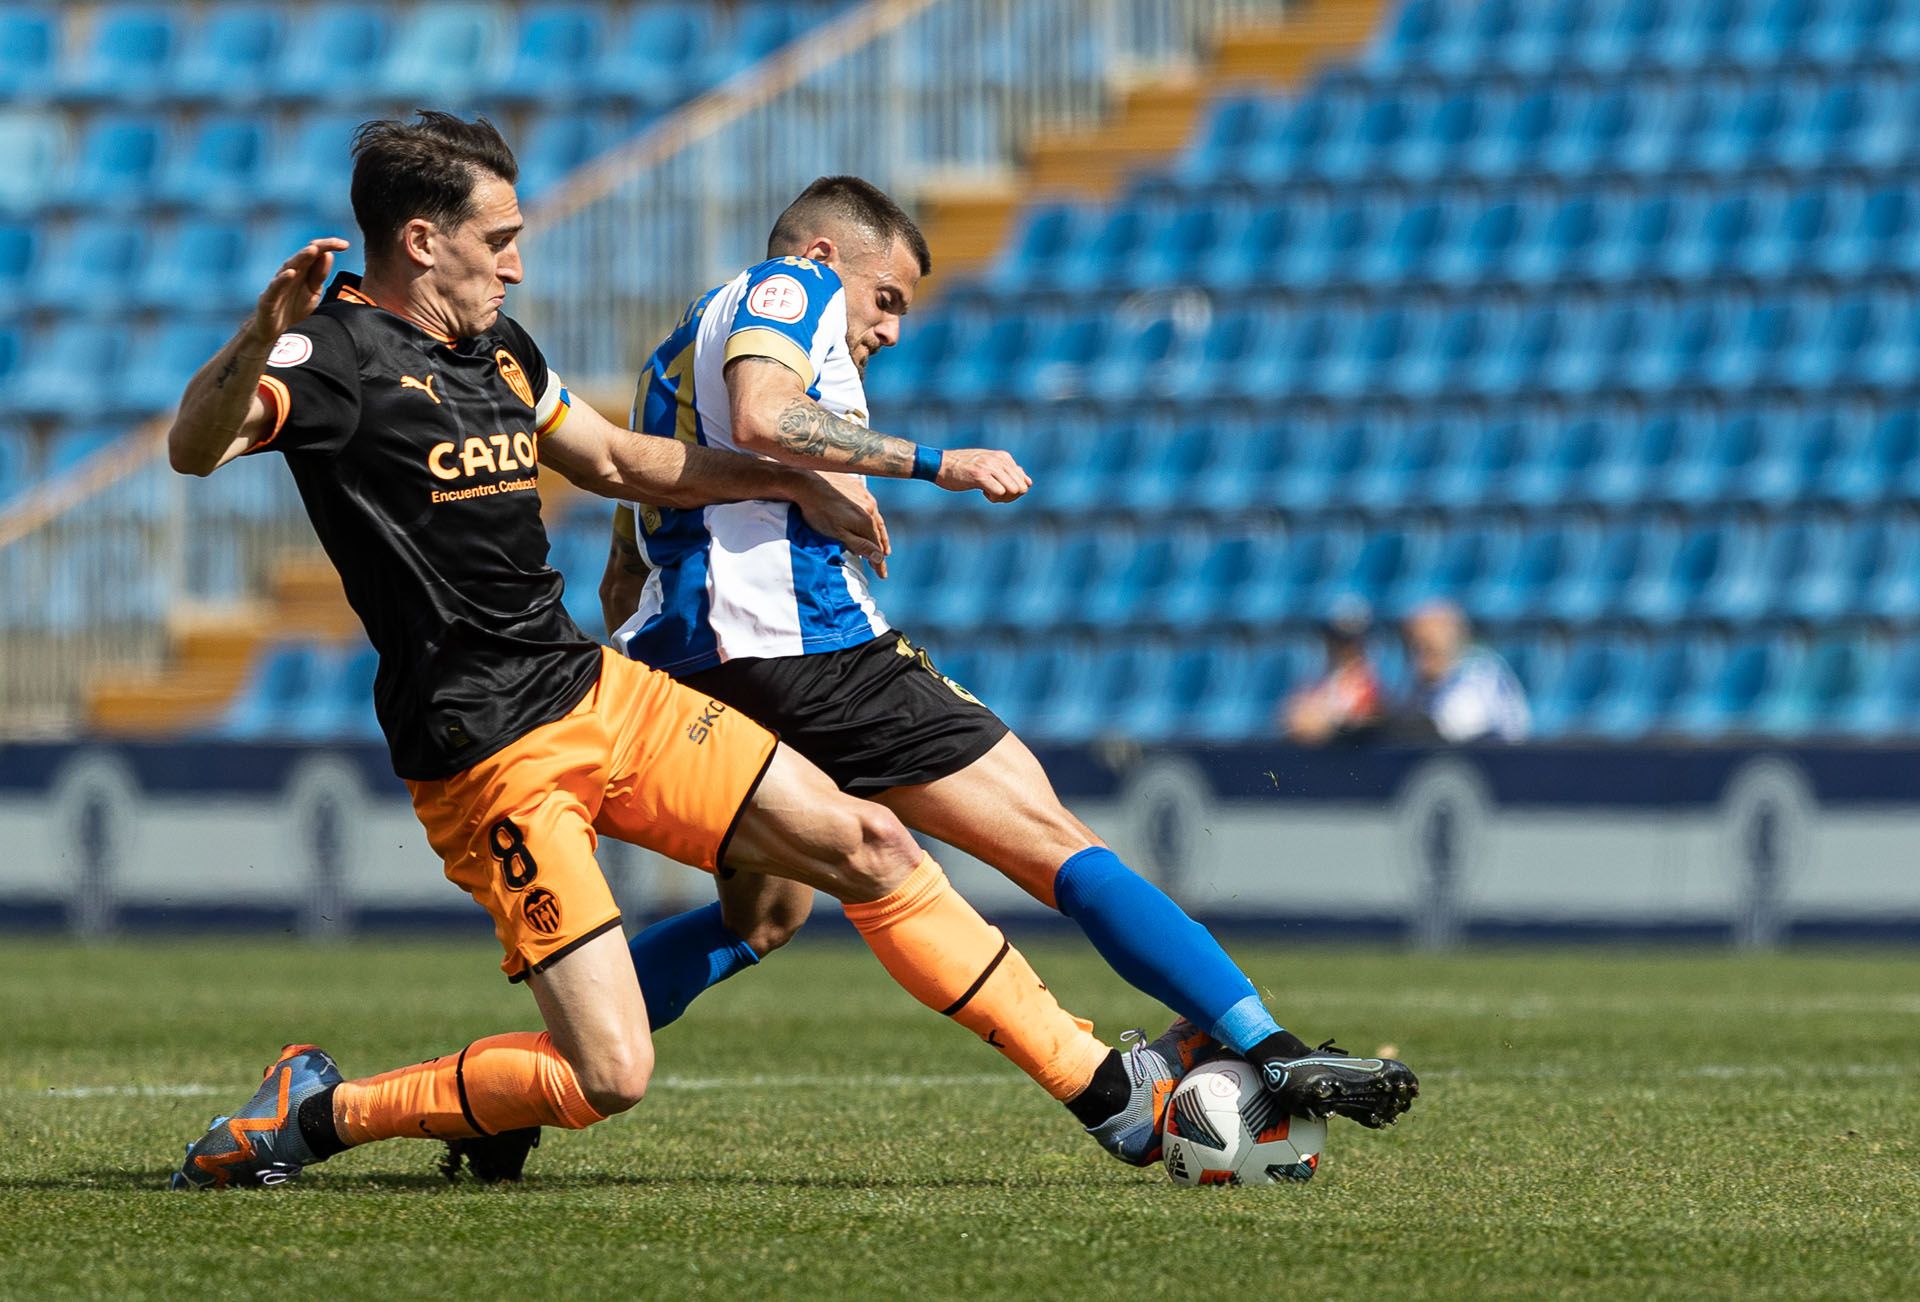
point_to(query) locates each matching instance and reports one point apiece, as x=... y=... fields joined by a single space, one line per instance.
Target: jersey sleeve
x=311 y=386
x=786 y=315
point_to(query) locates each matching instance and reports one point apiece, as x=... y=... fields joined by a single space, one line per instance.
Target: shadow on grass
x=155 y=1181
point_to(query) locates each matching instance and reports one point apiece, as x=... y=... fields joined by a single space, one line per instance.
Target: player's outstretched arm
x=221 y=414
x=604 y=458
x=772 y=414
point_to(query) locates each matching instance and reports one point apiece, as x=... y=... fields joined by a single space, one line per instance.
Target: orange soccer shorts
x=640 y=758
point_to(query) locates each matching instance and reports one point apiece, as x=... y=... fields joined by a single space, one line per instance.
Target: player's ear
x=416 y=241
x=823 y=249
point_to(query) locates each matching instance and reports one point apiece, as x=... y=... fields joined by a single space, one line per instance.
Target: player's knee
x=616 y=1078
x=776 y=925
x=887 y=852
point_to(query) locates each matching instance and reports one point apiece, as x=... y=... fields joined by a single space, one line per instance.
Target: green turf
x=1592 y=1125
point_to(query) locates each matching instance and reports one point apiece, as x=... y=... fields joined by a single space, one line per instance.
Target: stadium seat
x=33 y=152
x=202 y=264
x=1889 y=702
x=233 y=56
x=166 y=358
x=335 y=54
x=19 y=243
x=443 y=54
x=115 y=163
x=553 y=43
x=312 y=163
x=1827 y=686
x=557 y=143
x=29 y=41
x=218 y=169
x=281 y=682
x=88 y=270
x=16 y=462
x=127 y=57
x=61 y=370
x=657 y=56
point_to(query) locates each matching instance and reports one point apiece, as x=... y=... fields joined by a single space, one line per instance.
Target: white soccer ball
x=1223 y=1127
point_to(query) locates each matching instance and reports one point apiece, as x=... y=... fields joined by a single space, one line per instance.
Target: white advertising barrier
x=1752 y=846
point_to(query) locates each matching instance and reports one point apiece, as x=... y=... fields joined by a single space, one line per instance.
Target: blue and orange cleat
x=261 y=1143
x=1135 y=1135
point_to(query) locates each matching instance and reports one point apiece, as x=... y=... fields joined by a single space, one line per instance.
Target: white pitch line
x=707 y=1084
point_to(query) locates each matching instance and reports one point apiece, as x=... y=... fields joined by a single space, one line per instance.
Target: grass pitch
x=1592 y=1125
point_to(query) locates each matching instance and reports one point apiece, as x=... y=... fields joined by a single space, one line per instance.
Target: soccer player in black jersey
x=414 y=416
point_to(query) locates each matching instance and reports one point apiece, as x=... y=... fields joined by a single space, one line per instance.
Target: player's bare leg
x=764 y=911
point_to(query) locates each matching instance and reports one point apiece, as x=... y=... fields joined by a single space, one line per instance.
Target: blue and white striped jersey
x=746 y=579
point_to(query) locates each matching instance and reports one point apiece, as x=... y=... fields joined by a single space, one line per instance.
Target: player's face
x=476 y=261
x=880 y=286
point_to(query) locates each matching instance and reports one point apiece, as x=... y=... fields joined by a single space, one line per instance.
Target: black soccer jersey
x=417 y=458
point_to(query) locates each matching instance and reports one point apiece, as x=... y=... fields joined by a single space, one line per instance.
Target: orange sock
x=946 y=955
x=504 y=1082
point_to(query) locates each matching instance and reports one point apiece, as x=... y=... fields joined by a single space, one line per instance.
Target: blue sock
x=678 y=957
x=1149 y=940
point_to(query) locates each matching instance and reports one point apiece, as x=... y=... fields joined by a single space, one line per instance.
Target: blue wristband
x=926 y=462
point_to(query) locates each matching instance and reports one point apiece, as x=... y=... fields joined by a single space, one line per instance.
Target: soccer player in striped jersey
x=743 y=602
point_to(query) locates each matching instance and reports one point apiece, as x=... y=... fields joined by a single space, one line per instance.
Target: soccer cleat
x=1153 y=1068
x=261 y=1143
x=491 y=1159
x=1371 y=1091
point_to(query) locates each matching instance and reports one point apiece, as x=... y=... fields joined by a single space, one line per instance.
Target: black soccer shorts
x=871 y=717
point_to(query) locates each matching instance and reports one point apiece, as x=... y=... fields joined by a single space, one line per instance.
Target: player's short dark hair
x=848 y=199
x=424 y=168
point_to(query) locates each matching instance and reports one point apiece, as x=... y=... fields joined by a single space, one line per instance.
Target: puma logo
x=425 y=386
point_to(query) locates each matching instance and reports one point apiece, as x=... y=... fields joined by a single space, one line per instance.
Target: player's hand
x=295 y=289
x=841 y=507
x=994 y=473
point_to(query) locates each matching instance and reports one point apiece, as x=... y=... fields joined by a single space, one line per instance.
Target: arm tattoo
x=809 y=430
x=226 y=372
x=629 y=558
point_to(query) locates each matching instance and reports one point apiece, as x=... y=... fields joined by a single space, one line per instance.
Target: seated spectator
x=1464 y=691
x=1345 y=704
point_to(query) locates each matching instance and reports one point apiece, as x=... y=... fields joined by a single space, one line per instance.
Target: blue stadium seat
x=16 y=462
x=202 y=265
x=1818 y=694
x=553 y=44
x=759 y=28
x=1726 y=698
x=1196 y=684
x=1558 y=463
x=1892 y=591
x=1668 y=586
x=1882 y=230
x=556 y=144
x=115 y=162
x=127 y=57
x=1592 y=588
x=220 y=167
x=335 y=54
x=29 y=41
x=1714 y=464
x=312 y=164
x=62 y=368
x=1639 y=455
x=1519 y=129
x=1560 y=244
x=1623 y=39
x=657 y=57
x=33 y=153
x=280 y=683
x=1515 y=583
x=12 y=357
x=90 y=268
x=1873 y=469
x=1642 y=704
x=443 y=54
x=233 y=56
x=166 y=359
x=19 y=245
x=1774 y=33
x=1889 y=701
